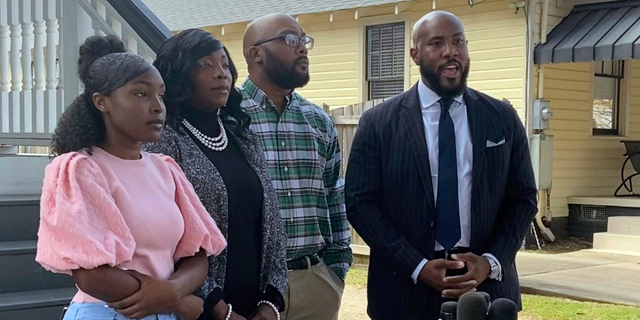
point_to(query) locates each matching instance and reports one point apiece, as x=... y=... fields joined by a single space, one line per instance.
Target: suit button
x=431 y=224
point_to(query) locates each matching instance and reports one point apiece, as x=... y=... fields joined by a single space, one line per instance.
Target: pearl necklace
x=218 y=143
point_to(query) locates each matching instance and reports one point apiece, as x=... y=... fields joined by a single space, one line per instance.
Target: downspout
x=543 y=39
x=545 y=200
x=528 y=113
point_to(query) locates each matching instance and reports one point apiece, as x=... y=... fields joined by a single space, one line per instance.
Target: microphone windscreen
x=503 y=309
x=487 y=298
x=472 y=306
x=448 y=311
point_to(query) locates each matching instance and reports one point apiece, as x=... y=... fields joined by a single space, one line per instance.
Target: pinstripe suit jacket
x=390 y=202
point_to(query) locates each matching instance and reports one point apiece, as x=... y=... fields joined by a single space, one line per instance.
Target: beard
x=433 y=79
x=284 y=76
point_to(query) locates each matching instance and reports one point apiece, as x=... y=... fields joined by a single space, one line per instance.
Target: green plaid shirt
x=303 y=155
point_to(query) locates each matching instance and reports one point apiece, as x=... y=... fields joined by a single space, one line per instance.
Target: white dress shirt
x=430 y=105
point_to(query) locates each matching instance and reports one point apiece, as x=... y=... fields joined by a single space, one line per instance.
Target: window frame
x=380 y=78
x=363 y=83
x=620 y=96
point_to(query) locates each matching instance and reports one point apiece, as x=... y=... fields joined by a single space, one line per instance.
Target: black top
x=244 y=242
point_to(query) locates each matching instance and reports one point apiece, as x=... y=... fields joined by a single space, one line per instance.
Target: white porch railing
x=39 y=41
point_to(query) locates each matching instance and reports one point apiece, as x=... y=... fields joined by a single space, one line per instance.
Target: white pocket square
x=491 y=144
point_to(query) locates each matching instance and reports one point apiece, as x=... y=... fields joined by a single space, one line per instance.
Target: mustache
x=450 y=61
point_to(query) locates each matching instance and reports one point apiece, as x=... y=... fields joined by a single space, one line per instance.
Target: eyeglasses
x=291 y=40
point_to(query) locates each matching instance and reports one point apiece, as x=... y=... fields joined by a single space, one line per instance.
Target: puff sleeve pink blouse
x=132 y=214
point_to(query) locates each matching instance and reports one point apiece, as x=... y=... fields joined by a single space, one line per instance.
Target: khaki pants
x=313 y=293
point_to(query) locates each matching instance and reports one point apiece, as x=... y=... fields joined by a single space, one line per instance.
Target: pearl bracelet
x=273 y=306
x=229 y=312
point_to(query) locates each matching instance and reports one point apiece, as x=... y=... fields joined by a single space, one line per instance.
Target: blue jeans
x=100 y=311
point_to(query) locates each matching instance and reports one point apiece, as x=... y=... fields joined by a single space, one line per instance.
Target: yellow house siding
x=496 y=47
x=333 y=61
x=583 y=165
x=496 y=44
x=232 y=39
x=634 y=99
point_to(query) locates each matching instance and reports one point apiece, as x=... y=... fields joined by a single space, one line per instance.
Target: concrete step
x=624 y=225
x=20 y=272
x=19 y=217
x=32 y=305
x=613 y=242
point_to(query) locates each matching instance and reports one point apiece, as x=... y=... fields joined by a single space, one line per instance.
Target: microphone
x=503 y=309
x=448 y=311
x=472 y=306
x=487 y=298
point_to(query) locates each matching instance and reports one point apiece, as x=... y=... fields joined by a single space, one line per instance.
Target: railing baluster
x=132 y=44
x=39 y=65
x=102 y=11
x=4 y=68
x=117 y=27
x=16 y=83
x=62 y=53
x=69 y=44
x=26 y=95
x=38 y=56
x=50 y=113
x=85 y=24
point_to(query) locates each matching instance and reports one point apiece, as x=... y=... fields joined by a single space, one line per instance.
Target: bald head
x=275 y=53
x=440 y=50
x=433 y=20
x=266 y=27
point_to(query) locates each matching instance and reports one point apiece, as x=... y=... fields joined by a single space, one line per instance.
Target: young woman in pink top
x=126 y=224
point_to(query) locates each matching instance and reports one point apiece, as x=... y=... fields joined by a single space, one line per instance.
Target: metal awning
x=594 y=32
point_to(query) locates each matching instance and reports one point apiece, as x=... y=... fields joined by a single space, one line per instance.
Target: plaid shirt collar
x=260 y=97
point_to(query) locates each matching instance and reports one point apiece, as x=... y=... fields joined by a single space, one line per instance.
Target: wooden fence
x=346 y=120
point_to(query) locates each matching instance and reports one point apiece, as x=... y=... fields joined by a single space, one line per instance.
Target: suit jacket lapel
x=476 y=117
x=411 y=121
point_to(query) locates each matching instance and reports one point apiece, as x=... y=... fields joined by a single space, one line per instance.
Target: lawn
x=550 y=308
x=534 y=307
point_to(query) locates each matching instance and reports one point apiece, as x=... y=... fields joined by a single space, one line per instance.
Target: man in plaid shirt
x=303 y=155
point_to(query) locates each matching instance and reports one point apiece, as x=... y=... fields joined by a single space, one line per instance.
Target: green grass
x=357 y=276
x=550 y=308
x=541 y=307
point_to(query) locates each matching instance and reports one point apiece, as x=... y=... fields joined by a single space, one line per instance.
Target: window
x=385 y=60
x=608 y=80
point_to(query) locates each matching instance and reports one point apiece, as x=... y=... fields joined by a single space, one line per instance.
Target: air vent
x=593 y=213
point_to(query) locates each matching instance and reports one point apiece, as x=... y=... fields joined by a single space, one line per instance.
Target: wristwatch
x=495 y=268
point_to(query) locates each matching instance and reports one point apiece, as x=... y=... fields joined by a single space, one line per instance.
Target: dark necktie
x=447 y=207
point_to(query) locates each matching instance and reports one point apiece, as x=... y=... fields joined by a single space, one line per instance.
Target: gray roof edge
x=606 y=5
x=347 y=7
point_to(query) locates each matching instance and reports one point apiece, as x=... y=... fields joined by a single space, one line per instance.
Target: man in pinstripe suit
x=440 y=185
